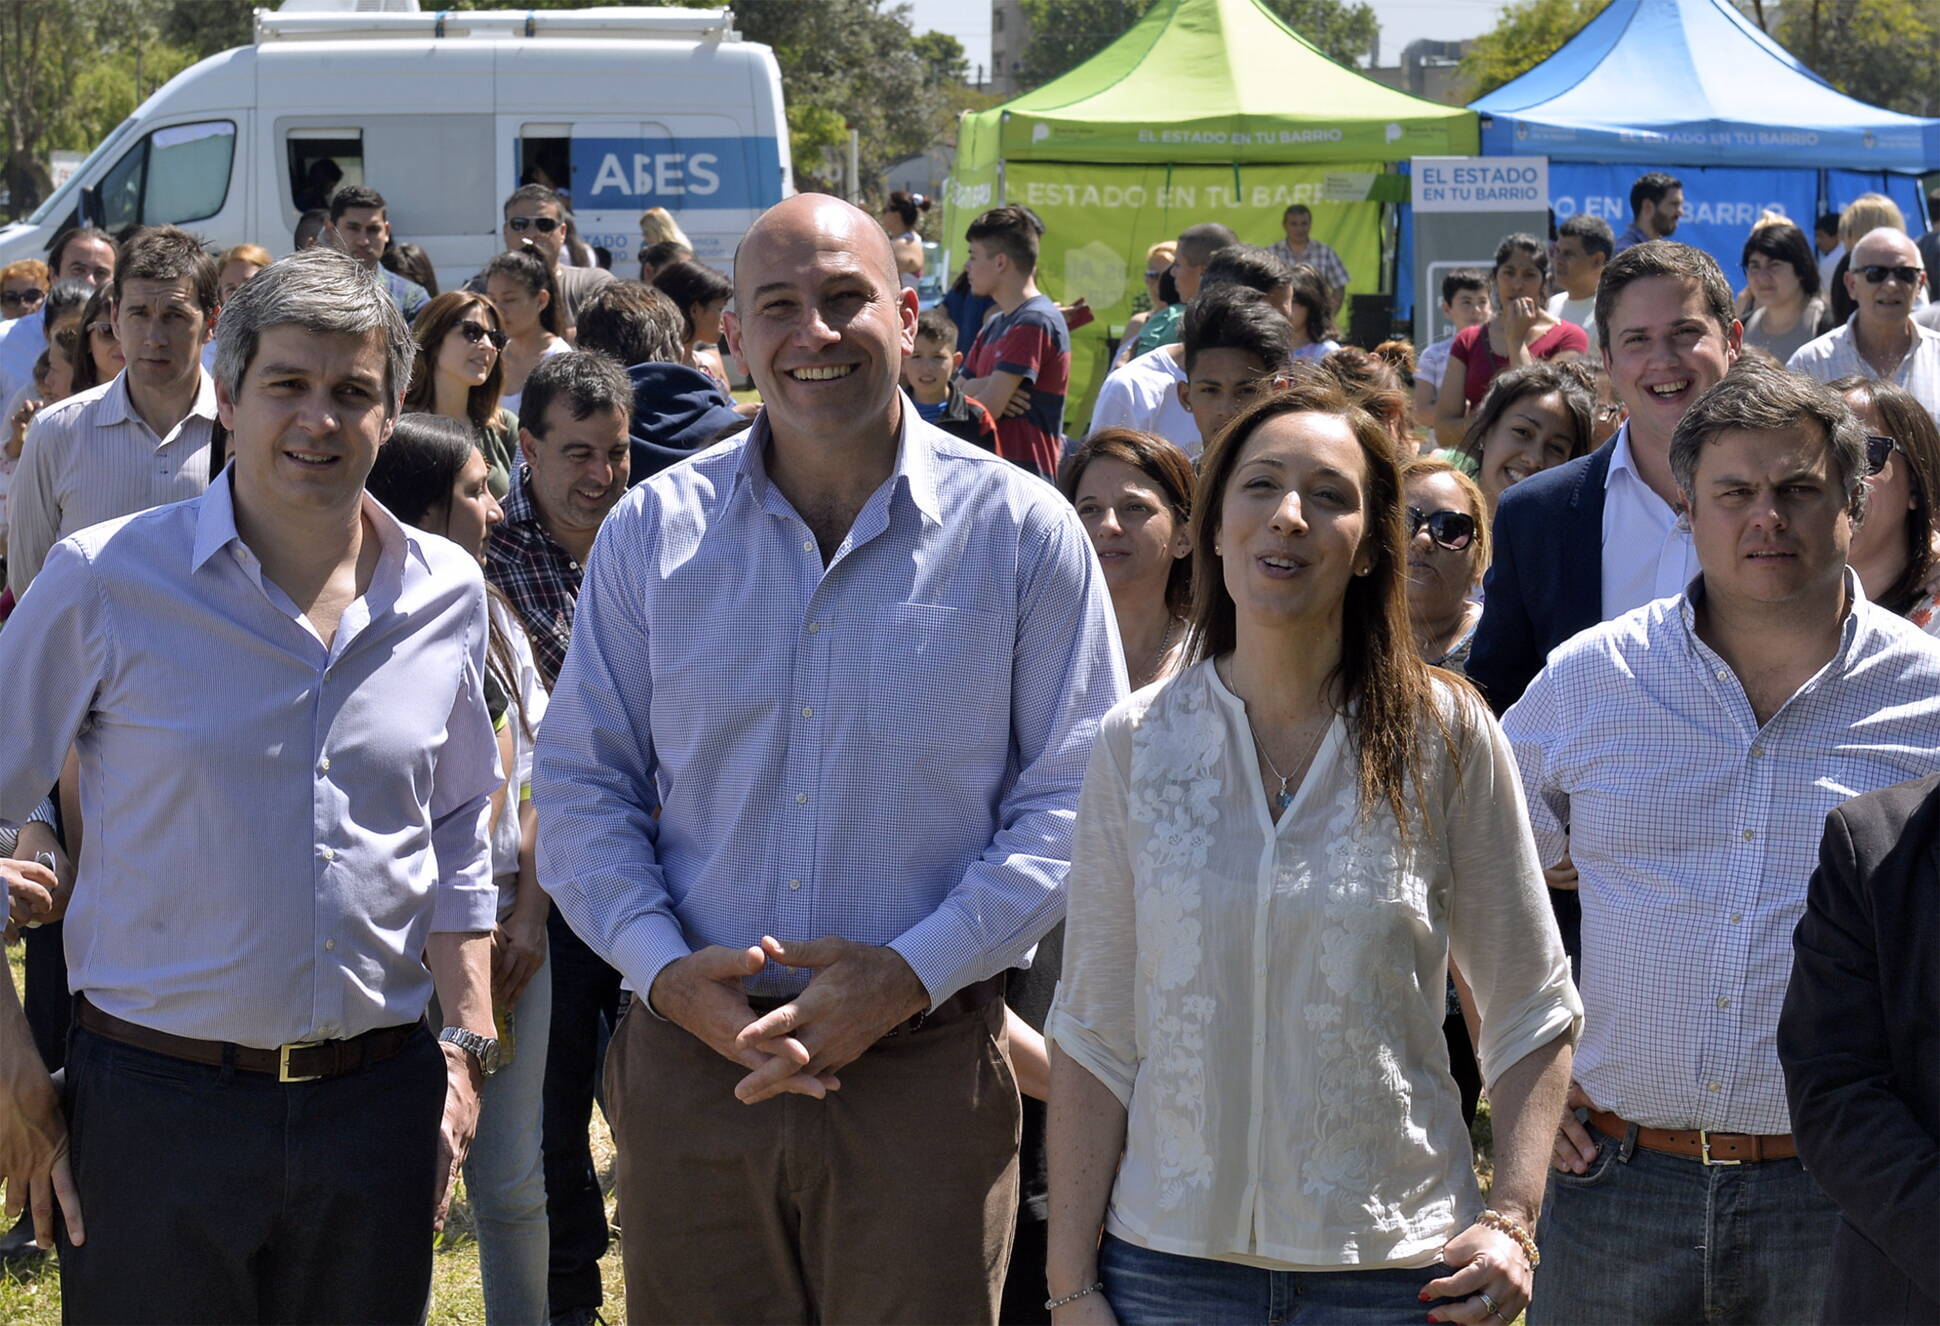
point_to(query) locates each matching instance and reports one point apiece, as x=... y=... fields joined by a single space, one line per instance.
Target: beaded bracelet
x=1052 y=1305
x=1502 y=1224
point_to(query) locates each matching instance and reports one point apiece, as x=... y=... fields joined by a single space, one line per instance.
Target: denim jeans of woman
x=1147 y=1288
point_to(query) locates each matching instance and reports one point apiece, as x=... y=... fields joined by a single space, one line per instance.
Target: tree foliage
x=1066 y=33
x=1880 y=51
x=1526 y=33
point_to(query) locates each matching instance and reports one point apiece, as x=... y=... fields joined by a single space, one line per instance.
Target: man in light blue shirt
x=808 y=781
x=1687 y=753
x=286 y=762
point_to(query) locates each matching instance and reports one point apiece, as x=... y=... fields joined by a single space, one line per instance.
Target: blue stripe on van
x=675 y=173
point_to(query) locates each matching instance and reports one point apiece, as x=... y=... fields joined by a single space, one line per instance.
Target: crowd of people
x=982 y=873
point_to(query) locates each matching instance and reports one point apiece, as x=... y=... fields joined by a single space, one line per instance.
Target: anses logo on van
x=675 y=173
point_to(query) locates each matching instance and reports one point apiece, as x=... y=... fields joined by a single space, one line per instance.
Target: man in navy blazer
x=1859 y=1039
x=1669 y=335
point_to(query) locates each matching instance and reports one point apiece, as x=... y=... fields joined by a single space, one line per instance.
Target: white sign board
x=1480 y=184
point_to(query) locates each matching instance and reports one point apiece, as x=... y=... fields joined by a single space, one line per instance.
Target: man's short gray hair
x=321 y=291
x=1756 y=397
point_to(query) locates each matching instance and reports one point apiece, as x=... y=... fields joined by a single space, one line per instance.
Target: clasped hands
x=858 y=993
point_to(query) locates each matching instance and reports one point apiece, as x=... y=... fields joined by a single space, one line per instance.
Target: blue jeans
x=503 y=1172
x=1645 y=1237
x=1147 y=1288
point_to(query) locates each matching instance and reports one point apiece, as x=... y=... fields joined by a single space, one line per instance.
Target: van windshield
x=58 y=199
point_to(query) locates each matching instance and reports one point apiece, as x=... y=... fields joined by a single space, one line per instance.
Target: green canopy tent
x=1206 y=110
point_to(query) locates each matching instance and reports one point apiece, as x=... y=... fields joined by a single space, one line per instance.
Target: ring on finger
x=1488 y=1302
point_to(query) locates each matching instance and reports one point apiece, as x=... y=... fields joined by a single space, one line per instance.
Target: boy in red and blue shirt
x=1020 y=365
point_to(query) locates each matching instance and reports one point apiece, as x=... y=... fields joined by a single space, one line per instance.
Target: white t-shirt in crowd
x=1144 y=394
x=1582 y=312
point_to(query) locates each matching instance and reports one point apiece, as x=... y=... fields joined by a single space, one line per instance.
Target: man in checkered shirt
x=1686 y=754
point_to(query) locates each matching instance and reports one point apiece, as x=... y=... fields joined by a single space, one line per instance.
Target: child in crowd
x=1465 y=303
x=929 y=376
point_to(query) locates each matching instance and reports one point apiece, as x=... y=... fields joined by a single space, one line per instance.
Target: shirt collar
x=215 y=526
x=914 y=471
x=1856 y=606
x=118 y=407
x=1621 y=461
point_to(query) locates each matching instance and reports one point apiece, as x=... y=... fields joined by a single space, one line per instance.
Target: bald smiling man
x=857 y=666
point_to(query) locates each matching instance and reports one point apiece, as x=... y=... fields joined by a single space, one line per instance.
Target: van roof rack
x=339 y=20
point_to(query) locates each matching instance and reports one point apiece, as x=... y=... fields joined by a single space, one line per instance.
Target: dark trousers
x=585 y=1009
x=46 y=1001
x=216 y=1196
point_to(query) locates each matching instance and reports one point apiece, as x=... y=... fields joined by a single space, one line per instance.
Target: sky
x=1402 y=21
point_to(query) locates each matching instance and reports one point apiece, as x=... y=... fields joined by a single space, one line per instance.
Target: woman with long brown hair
x=1894 y=550
x=457 y=375
x=1277 y=854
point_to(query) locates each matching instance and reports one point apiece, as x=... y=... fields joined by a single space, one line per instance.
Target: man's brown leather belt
x=1711 y=1148
x=304 y=1061
x=967 y=1000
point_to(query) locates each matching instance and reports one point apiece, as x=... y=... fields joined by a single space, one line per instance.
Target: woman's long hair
x=1908 y=424
x=101 y=304
x=1383 y=685
x=1167 y=467
x=689 y=283
x=1543 y=378
x=435 y=321
x=418 y=469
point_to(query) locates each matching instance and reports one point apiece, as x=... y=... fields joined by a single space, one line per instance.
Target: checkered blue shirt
x=1695 y=832
x=888 y=749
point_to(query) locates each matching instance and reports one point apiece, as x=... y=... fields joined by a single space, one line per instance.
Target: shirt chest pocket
x=939 y=679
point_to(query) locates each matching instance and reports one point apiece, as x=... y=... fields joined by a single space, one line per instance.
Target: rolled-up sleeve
x=593 y=771
x=467 y=774
x=1066 y=674
x=1092 y=1017
x=1502 y=933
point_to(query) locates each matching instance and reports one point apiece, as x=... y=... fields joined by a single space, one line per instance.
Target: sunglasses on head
x=22 y=298
x=1879 y=449
x=545 y=225
x=1453 y=530
x=1875 y=274
x=474 y=332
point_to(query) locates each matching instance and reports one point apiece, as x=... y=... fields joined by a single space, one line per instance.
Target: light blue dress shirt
x=274 y=826
x=1695 y=830
x=887 y=750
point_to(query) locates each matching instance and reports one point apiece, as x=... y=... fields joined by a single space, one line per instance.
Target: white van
x=445 y=114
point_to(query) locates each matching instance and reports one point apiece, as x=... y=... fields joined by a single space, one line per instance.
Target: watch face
x=488 y=1055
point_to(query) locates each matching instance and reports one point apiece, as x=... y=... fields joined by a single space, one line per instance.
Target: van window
x=546 y=155
x=175 y=174
x=321 y=162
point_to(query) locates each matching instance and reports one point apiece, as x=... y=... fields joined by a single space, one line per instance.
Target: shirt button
x=324 y=764
x=808 y=545
x=794 y=883
x=329 y=945
x=328 y=854
x=808 y=711
x=1723 y=1002
x=815 y=628
x=1757 y=752
x=1713 y=1087
x=1749 y=835
x=801 y=798
x=1722 y=673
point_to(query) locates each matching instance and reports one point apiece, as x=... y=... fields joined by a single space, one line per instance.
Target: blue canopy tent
x=1693 y=88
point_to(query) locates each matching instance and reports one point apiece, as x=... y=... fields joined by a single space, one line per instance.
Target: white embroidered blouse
x=1267 y=1001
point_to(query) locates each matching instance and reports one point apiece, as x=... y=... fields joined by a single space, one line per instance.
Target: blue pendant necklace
x=1285 y=794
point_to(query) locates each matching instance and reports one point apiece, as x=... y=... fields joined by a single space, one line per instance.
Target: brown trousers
x=893 y=1200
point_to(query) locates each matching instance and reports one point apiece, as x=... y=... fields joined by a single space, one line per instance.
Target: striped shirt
x=887 y=749
x=1694 y=831
x=91 y=458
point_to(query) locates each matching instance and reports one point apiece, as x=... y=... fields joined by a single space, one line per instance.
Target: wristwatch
x=482 y=1048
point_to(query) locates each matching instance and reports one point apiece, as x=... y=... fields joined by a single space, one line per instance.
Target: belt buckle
x=1704 y=1146
x=283 y=1073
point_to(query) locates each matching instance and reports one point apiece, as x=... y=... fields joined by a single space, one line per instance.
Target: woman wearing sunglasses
x=98 y=358
x=458 y=375
x=1894 y=549
x=1533 y=418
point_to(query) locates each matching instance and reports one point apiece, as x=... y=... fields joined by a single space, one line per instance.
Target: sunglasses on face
x=106 y=329
x=1153 y=276
x=1876 y=274
x=545 y=225
x=22 y=298
x=1879 y=450
x=1453 y=530
x=474 y=332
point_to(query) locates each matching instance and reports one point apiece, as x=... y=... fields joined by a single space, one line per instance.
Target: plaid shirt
x=1324 y=261
x=540 y=577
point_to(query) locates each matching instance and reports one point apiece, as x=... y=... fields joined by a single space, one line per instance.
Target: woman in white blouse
x=1278 y=852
